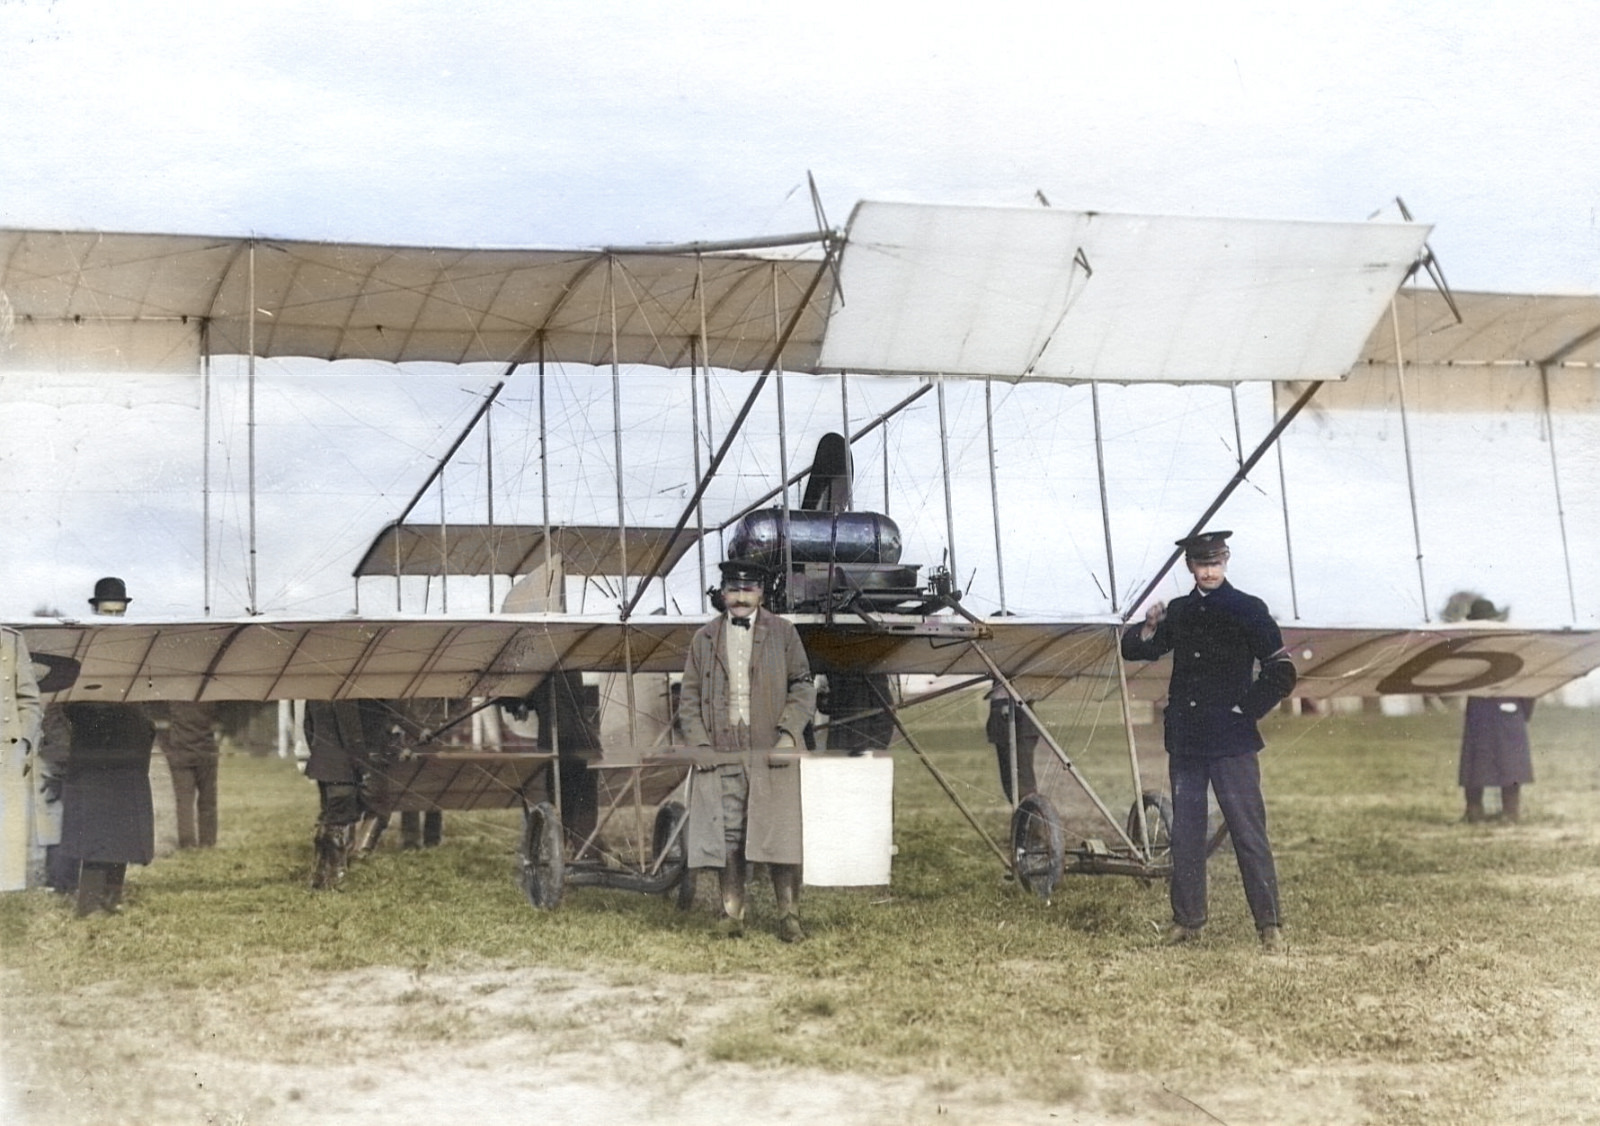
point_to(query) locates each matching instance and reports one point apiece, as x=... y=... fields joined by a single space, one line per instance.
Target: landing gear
x=542 y=864
x=1037 y=852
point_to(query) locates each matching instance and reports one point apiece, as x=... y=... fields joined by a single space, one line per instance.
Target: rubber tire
x=1037 y=852
x=541 y=873
x=668 y=818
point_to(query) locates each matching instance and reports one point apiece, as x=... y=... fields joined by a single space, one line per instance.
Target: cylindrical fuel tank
x=816 y=537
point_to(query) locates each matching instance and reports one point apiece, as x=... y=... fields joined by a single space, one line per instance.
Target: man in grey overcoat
x=747 y=687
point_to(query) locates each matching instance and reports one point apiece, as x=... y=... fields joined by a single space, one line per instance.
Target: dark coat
x=782 y=699
x=1494 y=742
x=107 y=814
x=346 y=737
x=1216 y=695
x=189 y=739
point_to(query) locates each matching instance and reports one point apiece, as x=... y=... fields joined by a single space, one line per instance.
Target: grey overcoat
x=782 y=699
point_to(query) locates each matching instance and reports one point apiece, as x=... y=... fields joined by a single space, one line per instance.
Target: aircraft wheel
x=1036 y=847
x=669 y=828
x=542 y=866
x=1158 y=823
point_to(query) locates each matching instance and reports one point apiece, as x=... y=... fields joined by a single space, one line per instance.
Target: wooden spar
x=1411 y=480
x=250 y=432
x=783 y=450
x=444 y=554
x=488 y=496
x=205 y=471
x=1555 y=475
x=1227 y=491
x=994 y=508
x=744 y=411
x=949 y=511
x=694 y=415
x=544 y=496
x=622 y=522
x=1283 y=498
x=1105 y=504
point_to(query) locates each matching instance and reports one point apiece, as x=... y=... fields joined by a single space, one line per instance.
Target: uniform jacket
x=1216 y=694
x=1494 y=742
x=19 y=772
x=107 y=813
x=782 y=699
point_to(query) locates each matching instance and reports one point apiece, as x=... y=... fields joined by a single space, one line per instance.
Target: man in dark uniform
x=1219 y=637
x=747 y=687
x=108 y=818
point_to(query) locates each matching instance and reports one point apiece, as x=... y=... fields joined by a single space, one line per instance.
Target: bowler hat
x=1206 y=546
x=109 y=590
x=1482 y=610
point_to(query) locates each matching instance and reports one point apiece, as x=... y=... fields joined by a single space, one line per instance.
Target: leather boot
x=786 y=888
x=732 y=881
x=91 y=888
x=1475 y=812
x=1511 y=803
x=333 y=848
x=116 y=875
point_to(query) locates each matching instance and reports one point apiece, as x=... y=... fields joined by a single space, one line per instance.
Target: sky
x=594 y=123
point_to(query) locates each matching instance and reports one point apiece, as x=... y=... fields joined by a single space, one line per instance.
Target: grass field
x=1437 y=972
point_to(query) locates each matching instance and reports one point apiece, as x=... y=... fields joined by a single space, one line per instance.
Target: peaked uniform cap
x=1206 y=546
x=743 y=570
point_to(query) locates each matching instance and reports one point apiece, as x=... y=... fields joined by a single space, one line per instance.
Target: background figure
x=344 y=737
x=569 y=723
x=850 y=694
x=1000 y=728
x=107 y=819
x=192 y=754
x=1494 y=741
x=20 y=715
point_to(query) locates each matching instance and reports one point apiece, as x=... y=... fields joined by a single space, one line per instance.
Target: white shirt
x=739 y=646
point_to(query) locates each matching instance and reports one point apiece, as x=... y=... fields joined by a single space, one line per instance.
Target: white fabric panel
x=1041 y=293
x=847 y=820
x=139 y=347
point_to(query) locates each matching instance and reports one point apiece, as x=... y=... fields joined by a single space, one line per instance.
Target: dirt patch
x=473 y=1048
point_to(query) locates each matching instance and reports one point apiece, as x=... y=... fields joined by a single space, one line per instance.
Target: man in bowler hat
x=108 y=819
x=1229 y=669
x=747 y=687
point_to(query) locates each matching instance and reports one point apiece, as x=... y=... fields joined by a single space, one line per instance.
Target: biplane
x=932 y=301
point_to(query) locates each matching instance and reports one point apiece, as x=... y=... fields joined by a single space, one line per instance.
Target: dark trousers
x=194 y=786
x=1025 y=748
x=421 y=829
x=1236 y=780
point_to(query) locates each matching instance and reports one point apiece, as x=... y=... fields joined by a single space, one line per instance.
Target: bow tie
x=742 y=623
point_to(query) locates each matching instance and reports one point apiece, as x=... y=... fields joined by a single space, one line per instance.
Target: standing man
x=747 y=687
x=108 y=819
x=19 y=739
x=1229 y=669
x=190 y=744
